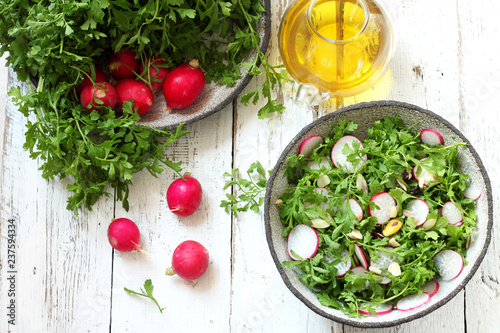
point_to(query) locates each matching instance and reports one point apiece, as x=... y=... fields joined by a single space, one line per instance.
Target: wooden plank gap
x=461 y=115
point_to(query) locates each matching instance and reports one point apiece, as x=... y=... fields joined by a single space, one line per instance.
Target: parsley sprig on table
x=54 y=43
x=393 y=150
x=146 y=292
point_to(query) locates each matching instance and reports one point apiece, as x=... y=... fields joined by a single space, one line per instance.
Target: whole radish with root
x=189 y=261
x=184 y=195
x=183 y=85
x=124 y=235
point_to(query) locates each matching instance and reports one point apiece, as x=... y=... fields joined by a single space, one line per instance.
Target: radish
x=323 y=205
x=189 y=261
x=95 y=76
x=130 y=89
x=431 y=137
x=431 y=287
x=184 y=195
x=379 y=309
x=472 y=193
x=124 y=64
x=449 y=264
x=424 y=177
x=344 y=265
x=362 y=272
x=361 y=256
x=183 y=85
x=412 y=302
x=385 y=204
x=314 y=165
x=156 y=72
x=384 y=260
x=420 y=209
x=339 y=159
x=453 y=213
x=123 y=235
x=96 y=96
x=355 y=207
x=303 y=241
x=308 y=145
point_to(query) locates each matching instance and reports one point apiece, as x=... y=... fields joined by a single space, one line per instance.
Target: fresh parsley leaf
x=147 y=292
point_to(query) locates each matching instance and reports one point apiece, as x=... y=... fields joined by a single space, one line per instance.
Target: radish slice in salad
x=355 y=207
x=453 y=213
x=308 y=145
x=303 y=241
x=384 y=260
x=412 y=302
x=323 y=205
x=361 y=256
x=431 y=137
x=424 y=177
x=431 y=287
x=344 y=265
x=420 y=210
x=379 y=309
x=339 y=159
x=358 y=270
x=472 y=193
x=314 y=165
x=449 y=264
x=385 y=203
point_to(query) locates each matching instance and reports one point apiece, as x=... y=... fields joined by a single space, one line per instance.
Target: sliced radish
x=302 y=240
x=384 y=280
x=449 y=264
x=420 y=210
x=424 y=177
x=314 y=165
x=361 y=256
x=431 y=287
x=379 y=309
x=339 y=159
x=358 y=270
x=453 y=213
x=323 y=205
x=308 y=145
x=412 y=302
x=355 y=207
x=384 y=260
x=344 y=265
x=431 y=137
x=472 y=193
x=385 y=203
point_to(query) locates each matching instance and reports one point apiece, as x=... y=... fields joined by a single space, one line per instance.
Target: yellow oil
x=337 y=50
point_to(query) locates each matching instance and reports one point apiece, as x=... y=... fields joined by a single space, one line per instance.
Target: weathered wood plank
x=204 y=306
x=63 y=264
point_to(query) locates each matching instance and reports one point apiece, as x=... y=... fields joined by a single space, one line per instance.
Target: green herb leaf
x=146 y=292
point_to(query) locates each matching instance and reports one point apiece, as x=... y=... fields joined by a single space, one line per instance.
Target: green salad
x=389 y=214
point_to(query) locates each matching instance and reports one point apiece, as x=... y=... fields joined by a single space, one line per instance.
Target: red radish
x=123 y=235
x=183 y=85
x=431 y=137
x=124 y=64
x=128 y=89
x=344 y=265
x=377 y=235
x=339 y=159
x=184 y=195
x=424 y=177
x=362 y=272
x=94 y=97
x=449 y=264
x=384 y=260
x=355 y=209
x=156 y=72
x=419 y=209
x=431 y=287
x=314 y=165
x=472 y=193
x=412 y=302
x=380 y=309
x=189 y=261
x=303 y=241
x=96 y=76
x=361 y=256
x=308 y=145
x=453 y=213
x=386 y=204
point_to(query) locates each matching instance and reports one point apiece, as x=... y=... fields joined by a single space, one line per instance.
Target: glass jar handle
x=306 y=95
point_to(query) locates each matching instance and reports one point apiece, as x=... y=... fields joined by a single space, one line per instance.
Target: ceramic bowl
x=365 y=114
x=215 y=96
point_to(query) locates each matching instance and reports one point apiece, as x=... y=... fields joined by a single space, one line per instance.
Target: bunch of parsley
x=54 y=43
x=393 y=150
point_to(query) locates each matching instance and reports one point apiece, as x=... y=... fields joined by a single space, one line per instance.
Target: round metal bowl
x=214 y=96
x=365 y=114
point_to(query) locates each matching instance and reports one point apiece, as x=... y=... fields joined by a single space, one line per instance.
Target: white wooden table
x=70 y=280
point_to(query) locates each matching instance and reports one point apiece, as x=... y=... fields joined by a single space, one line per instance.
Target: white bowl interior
x=365 y=115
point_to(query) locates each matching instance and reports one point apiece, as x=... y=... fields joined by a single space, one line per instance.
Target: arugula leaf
x=146 y=292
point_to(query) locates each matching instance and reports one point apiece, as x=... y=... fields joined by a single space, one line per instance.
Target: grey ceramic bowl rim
x=263 y=47
x=426 y=311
